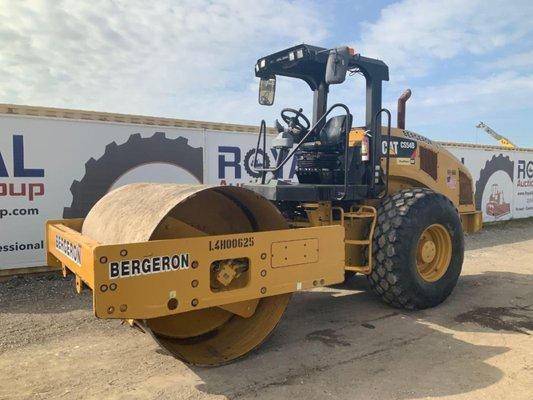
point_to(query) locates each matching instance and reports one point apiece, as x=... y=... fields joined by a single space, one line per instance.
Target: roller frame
x=147 y=296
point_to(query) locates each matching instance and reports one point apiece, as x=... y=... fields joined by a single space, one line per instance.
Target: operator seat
x=331 y=137
x=321 y=159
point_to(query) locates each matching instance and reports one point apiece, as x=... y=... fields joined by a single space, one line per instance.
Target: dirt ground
x=338 y=343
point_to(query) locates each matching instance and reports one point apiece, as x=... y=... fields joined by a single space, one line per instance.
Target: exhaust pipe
x=401 y=108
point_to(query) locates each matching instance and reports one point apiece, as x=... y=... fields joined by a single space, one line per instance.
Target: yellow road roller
x=208 y=271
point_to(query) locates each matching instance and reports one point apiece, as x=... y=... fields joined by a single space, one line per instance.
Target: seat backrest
x=333 y=132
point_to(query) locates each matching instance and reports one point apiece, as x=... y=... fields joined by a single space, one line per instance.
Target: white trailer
x=57 y=163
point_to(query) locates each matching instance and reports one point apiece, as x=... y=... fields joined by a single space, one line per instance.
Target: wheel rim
x=434 y=252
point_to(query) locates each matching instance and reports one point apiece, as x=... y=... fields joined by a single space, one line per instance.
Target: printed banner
x=503 y=181
x=52 y=168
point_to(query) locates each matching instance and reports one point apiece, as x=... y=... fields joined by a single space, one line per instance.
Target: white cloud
x=468 y=98
x=516 y=88
x=500 y=96
x=414 y=35
x=475 y=55
x=513 y=62
x=189 y=59
x=194 y=59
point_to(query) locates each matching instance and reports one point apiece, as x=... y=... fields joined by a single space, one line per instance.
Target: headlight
x=262 y=63
x=291 y=56
x=300 y=53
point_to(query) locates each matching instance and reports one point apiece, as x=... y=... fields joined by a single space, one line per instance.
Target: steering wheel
x=292 y=119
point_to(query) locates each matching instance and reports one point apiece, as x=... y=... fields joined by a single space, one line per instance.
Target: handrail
x=347 y=164
x=262 y=131
x=384 y=110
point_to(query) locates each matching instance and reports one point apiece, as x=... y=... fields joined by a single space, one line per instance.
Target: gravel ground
x=338 y=343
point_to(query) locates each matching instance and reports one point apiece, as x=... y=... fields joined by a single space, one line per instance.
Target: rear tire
x=400 y=258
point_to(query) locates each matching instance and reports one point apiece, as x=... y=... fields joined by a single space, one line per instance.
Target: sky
x=464 y=60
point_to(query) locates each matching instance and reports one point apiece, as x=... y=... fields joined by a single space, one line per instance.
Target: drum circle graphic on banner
x=494 y=188
x=120 y=160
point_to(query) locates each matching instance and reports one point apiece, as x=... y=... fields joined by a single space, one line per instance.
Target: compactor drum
x=208 y=271
x=145 y=212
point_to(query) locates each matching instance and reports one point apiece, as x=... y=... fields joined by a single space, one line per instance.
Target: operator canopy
x=310 y=63
x=320 y=67
x=322 y=152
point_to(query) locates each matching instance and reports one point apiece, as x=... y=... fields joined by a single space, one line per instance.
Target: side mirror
x=267 y=91
x=337 y=65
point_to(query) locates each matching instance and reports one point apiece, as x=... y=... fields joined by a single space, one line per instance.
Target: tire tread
x=393 y=224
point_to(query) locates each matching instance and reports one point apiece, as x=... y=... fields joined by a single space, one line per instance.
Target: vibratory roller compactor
x=209 y=270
